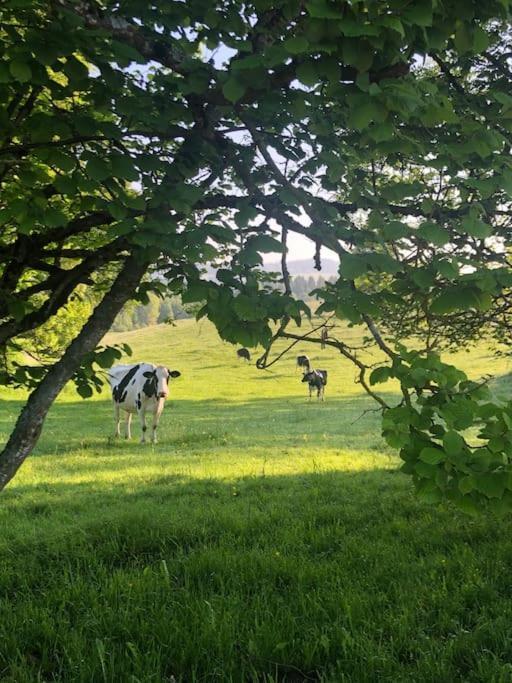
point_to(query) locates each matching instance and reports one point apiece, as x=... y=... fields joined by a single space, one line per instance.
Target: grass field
x=263 y=539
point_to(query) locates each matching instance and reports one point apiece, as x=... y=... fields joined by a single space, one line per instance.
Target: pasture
x=263 y=539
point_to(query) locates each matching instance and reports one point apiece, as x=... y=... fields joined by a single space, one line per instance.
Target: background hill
x=306 y=267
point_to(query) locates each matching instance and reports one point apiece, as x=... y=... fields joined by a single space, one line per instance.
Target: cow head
x=308 y=376
x=156 y=381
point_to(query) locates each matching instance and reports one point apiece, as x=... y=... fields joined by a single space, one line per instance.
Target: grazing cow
x=303 y=362
x=316 y=379
x=244 y=353
x=139 y=389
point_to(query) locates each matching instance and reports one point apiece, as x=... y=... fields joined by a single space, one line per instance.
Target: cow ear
x=147 y=374
x=174 y=373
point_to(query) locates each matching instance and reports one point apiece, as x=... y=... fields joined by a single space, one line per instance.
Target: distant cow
x=316 y=379
x=303 y=362
x=139 y=388
x=244 y=353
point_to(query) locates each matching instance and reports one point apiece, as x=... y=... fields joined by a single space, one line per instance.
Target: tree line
x=157 y=310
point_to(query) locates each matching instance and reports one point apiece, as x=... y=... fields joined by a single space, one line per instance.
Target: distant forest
x=157 y=311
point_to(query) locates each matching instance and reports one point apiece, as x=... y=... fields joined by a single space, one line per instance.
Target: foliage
x=49 y=340
x=207 y=133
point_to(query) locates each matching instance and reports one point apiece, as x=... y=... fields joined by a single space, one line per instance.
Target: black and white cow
x=139 y=389
x=316 y=379
x=303 y=362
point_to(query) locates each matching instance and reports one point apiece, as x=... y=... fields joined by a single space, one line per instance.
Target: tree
x=321 y=120
x=165 y=313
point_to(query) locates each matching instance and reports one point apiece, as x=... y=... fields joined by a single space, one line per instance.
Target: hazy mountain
x=303 y=267
x=306 y=267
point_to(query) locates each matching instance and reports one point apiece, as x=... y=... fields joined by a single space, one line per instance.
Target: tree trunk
x=31 y=419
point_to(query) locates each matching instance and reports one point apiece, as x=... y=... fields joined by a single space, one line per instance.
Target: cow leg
x=117 y=419
x=128 y=425
x=156 y=419
x=310 y=391
x=142 y=415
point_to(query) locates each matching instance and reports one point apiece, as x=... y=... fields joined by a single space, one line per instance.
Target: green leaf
x=245 y=215
x=492 y=484
x=448 y=269
x=233 y=89
x=196 y=291
x=364 y=114
x=428 y=492
x=431 y=232
x=84 y=390
x=467 y=484
x=352 y=266
x=62 y=161
x=306 y=73
x=98 y=169
x=322 y=9
x=55 y=217
x=125 y=53
x=5 y=75
x=247 y=308
x=453 y=443
x=395 y=230
x=356 y=29
x=345 y=310
x=65 y=184
x=135 y=201
x=123 y=166
x=420 y=13
x=296 y=45
x=358 y=52
x=432 y=456
x=20 y=71
x=463 y=40
x=425 y=470
x=249 y=62
x=264 y=243
x=379 y=375
x=424 y=278
x=393 y=23
x=383 y=263
x=480 y=40
x=467 y=505
x=460 y=297
x=475 y=227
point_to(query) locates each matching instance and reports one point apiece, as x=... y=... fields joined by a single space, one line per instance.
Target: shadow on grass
x=251 y=574
x=168 y=487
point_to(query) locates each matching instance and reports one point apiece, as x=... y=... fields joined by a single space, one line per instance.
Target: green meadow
x=264 y=538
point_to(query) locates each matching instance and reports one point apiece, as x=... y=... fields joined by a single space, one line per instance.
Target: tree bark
x=31 y=419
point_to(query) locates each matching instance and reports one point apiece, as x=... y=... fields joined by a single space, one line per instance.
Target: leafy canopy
x=204 y=132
